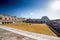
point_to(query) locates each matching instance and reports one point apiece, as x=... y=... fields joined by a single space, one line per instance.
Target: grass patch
x=37 y=28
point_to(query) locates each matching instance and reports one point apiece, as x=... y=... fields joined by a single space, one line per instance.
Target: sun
x=55 y=5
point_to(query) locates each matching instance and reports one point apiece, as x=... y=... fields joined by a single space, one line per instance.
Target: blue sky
x=31 y=8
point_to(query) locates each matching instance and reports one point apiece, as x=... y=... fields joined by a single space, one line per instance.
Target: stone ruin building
x=5 y=19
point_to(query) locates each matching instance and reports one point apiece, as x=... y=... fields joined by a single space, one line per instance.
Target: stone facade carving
x=5 y=19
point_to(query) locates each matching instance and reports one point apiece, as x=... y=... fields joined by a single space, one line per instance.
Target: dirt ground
x=7 y=35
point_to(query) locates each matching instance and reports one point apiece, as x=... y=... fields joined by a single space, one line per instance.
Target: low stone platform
x=7 y=35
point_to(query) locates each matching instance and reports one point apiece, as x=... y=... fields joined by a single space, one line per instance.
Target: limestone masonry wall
x=5 y=19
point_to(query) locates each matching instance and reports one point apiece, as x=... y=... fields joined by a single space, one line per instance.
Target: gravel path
x=7 y=35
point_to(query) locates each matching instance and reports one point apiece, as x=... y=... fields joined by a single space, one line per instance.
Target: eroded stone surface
x=7 y=35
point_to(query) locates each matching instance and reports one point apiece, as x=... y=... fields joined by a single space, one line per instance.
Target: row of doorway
x=7 y=22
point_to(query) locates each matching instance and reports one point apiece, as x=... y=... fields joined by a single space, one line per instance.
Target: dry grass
x=37 y=28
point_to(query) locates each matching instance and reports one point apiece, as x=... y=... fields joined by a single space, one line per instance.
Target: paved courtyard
x=7 y=35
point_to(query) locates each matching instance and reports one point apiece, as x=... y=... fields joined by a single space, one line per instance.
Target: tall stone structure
x=44 y=19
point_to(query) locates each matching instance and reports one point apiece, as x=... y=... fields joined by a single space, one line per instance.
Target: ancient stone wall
x=4 y=19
